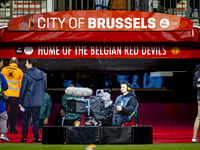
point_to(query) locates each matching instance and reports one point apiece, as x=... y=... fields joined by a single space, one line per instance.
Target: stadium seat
x=134 y=120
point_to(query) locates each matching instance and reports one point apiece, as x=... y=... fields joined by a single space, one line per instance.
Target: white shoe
x=4 y=138
x=194 y=140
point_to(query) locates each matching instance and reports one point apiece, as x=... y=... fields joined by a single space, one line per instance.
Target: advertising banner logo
x=93 y=20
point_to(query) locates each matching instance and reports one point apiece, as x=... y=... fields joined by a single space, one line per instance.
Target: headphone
x=128 y=86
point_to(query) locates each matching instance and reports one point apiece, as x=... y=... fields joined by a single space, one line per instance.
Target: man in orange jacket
x=14 y=77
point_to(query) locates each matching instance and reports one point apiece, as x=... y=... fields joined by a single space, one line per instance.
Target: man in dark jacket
x=196 y=85
x=32 y=97
x=126 y=105
x=3 y=113
x=60 y=120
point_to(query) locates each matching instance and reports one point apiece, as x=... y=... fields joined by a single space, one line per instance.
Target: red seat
x=131 y=123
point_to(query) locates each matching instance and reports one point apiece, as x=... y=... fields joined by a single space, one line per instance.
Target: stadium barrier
x=97 y=135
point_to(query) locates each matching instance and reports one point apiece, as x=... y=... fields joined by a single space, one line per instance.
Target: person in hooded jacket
x=3 y=113
x=32 y=97
x=126 y=104
x=196 y=85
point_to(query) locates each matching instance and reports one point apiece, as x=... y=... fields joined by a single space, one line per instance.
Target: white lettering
x=151 y=23
x=119 y=22
x=142 y=23
x=61 y=22
x=99 y=50
x=41 y=27
x=91 y=23
x=108 y=23
x=79 y=20
x=101 y=23
x=163 y=48
x=128 y=24
x=70 y=23
x=47 y=22
x=53 y=22
x=92 y=50
x=136 y=22
x=66 y=50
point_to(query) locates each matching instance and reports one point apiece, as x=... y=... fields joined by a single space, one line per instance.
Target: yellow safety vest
x=14 y=77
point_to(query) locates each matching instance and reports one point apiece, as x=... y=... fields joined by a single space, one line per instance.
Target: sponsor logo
x=164 y=23
x=10 y=74
x=19 y=50
x=31 y=22
x=175 y=50
x=28 y=50
x=174 y=23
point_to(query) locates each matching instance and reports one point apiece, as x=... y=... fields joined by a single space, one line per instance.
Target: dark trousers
x=35 y=111
x=119 y=120
x=14 y=104
x=69 y=122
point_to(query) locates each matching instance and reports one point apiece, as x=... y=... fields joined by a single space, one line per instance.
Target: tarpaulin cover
x=78 y=36
x=99 y=26
x=116 y=135
x=83 y=135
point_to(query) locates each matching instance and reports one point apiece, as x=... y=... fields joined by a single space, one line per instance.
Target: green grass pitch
x=38 y=146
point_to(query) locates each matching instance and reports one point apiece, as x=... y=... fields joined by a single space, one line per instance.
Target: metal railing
x=14 y=8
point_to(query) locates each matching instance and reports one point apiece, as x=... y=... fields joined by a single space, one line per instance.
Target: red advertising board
x=94 y=20
x=96 y=51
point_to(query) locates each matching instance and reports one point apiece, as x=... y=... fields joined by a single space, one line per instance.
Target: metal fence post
x=11 y=9
x=61 y=5
x=188 y=9
x=129 y=4
x=70 y=4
